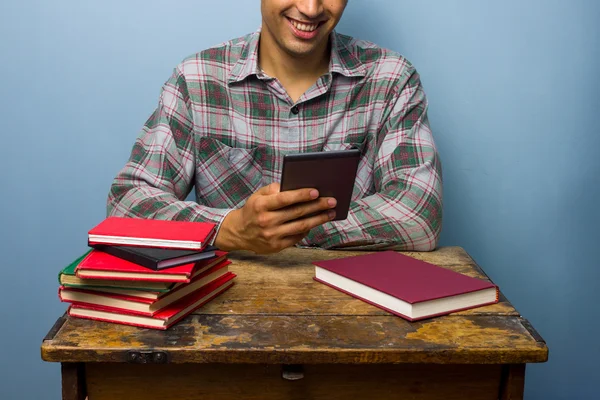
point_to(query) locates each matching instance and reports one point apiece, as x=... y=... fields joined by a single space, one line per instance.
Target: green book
x=67 y=277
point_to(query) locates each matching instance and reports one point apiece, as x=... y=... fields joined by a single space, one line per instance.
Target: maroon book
x=407 y=287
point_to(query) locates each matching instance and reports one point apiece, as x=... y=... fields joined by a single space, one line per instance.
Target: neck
x=286 y=67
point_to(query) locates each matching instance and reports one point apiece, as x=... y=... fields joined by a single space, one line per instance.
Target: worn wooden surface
x=276 y=313
x=264 y=382
x=283 y=284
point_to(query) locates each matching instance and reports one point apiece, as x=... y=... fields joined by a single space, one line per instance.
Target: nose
x=310 y=8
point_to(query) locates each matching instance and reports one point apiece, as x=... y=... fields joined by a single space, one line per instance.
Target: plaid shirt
x=222 y=126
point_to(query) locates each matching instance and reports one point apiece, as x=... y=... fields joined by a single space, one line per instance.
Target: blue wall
x=514 y=103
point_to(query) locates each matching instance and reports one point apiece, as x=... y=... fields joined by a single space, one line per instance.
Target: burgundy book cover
x=106 y=263
x=170 y=313
x=403 y=277
x=198 y=233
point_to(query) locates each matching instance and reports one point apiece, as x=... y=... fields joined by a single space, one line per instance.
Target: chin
x=300 y=52
x=299 y=49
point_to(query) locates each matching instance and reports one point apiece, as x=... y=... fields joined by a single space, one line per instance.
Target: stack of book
x=146 y=273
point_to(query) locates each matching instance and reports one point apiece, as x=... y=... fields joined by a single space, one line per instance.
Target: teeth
x=304 y=27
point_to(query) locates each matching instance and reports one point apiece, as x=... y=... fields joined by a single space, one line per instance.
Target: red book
x=162 y=320
x=100 y=265
x=404 y=286
x=152 y=233
x=140 y=304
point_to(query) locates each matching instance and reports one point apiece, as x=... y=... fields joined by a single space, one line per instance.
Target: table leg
x=73 y=381
x=512 y=383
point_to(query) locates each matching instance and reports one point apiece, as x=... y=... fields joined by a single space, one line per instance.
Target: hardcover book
x=156 y=258
x=142 y=305
x=405 y=286
x=152 y=233
x=67 y=277
x=161 y=320
x=100 y=265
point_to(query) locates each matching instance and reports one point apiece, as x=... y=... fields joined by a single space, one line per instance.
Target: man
x=228 y=115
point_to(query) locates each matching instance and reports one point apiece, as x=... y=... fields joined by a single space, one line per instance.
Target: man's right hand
x=271 y=220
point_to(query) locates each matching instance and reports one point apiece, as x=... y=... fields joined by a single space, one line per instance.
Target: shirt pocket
x=226 y=176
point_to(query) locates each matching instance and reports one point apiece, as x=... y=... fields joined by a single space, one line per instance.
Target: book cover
x=152 y=294
x=162 y=320
x=67 y=277
x=157 y=258
x=140 y=304
x=152 y=233
x=424 y=289
x=69 y=270
x=100 y=265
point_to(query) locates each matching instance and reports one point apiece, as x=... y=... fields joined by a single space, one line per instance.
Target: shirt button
x=295 y=110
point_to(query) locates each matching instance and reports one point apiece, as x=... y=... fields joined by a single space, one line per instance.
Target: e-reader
x=332 y=173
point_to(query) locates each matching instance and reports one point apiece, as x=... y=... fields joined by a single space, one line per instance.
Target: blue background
x=514 y=98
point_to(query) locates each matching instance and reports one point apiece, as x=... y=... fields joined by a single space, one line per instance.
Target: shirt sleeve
x=160 y=172
x=405 y=210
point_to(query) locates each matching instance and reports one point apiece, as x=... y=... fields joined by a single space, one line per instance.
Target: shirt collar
x=342 y=60
x=247 y=63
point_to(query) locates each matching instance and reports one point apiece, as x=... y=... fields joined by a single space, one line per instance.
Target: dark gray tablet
x=332 y=173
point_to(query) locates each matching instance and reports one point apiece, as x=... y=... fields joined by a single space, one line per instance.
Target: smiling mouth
x=303 y=26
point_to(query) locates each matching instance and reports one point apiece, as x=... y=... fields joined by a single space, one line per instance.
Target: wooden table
x=277 y=334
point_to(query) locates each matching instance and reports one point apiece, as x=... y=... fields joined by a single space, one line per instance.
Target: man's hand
x=271 y=220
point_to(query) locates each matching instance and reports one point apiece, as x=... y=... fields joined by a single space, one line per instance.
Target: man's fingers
x=290 y=241
x=300 y=226
x=272 y=188
x=280 y=200
x=276 y=220
x=303 y=210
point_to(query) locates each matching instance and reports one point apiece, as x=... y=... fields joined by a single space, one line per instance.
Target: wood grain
x=306 y=339
x=73 y=381
x=264 y=382
x=512 y=382
x=276 y=313
x=282 y=284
